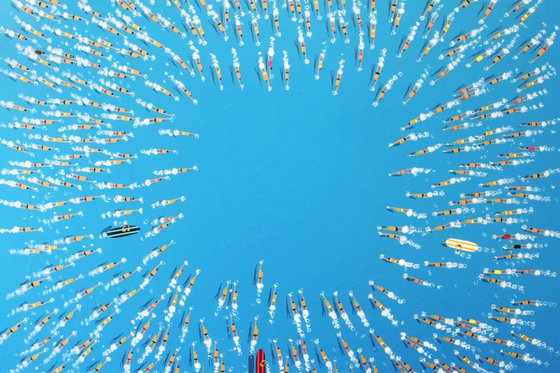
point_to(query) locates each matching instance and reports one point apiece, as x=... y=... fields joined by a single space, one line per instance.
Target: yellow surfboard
x=461 y=245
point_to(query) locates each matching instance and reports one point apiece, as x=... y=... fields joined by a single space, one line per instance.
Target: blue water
x=296 y=178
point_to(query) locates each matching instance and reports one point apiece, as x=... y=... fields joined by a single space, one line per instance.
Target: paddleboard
x=461 y=245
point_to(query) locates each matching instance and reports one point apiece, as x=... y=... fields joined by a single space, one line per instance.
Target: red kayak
x=261 y=362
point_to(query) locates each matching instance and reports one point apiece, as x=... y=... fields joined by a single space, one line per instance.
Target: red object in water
x=261 y=362
x=506 y=236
